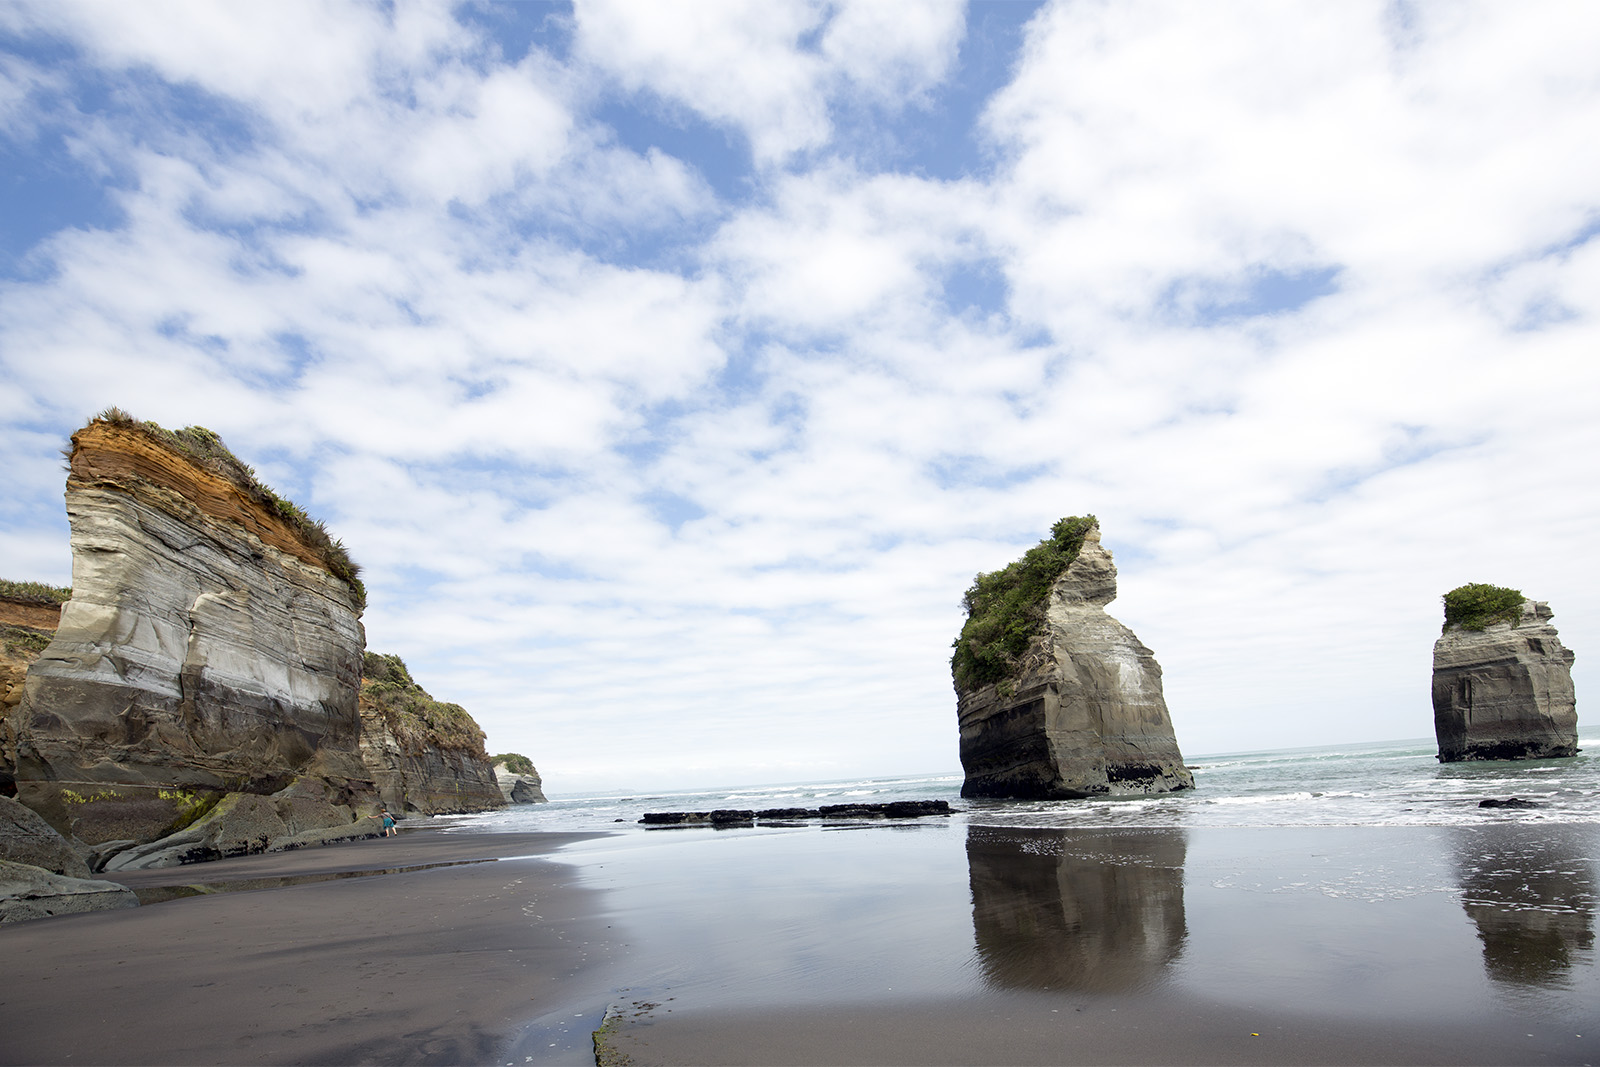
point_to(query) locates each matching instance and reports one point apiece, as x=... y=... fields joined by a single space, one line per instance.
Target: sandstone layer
x=1080 y=712
x=206 y=650
x=1504 y=692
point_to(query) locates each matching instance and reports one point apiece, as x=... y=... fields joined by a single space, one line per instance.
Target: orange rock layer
x=104 y=454
x=33 y=616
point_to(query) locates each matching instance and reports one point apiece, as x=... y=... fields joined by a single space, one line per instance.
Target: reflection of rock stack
x=1096 y=913
x=1532 y=899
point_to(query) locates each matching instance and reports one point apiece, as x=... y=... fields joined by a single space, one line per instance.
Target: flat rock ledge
x=29 y=892
x=899 y=809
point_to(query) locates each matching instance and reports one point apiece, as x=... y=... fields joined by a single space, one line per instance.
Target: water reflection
x=1093 y=912
x=1530 y=890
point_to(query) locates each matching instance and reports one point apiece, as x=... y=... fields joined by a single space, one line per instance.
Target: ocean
x=1386 y=783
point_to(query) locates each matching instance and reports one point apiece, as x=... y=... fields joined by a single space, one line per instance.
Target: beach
x=1228 y=926
x=439 y=965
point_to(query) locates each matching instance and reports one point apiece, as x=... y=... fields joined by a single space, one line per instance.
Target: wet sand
x=441 y=965
x=930 y=943
x=967 y=945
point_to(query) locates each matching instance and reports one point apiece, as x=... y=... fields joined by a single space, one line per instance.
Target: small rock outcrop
x=27 y=838
x=28 y=892
x=1502 y=681
x=426 y=755
x=519 y=779
x=1055 y=698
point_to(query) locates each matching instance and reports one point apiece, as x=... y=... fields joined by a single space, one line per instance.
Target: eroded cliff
x=1055 y=698
x=208 y=647
x=426 y=755
x=1502 y=680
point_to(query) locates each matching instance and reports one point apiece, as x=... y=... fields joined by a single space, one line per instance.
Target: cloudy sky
x=672 y=367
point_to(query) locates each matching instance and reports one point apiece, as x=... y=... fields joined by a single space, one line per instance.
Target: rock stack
x=1502 y=681
x=1056 y=699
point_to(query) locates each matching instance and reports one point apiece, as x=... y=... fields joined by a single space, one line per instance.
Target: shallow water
x=1393 y=783
x=1436 y=923
x=1349 y=883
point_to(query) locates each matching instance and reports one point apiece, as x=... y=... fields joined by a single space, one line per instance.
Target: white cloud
x=698 y=483
x=748 y=65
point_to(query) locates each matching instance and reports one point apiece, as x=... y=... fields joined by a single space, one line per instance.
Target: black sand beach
x=933 y=943
x=430 y=966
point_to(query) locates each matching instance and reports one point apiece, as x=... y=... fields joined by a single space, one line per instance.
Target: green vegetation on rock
x=205 y=448
x=23 y=639
x=514 y=762
x=1475 y=606
x=34 y=592
x=1006 y=608
x=416 y=719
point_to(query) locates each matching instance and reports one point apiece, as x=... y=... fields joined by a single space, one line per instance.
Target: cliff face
x=206 y=649
x=1504 y=692
x=1080 y=711
x=425 y=755
x=26 y=628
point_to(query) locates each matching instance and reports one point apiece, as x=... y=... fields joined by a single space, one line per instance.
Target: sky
x=671 y=367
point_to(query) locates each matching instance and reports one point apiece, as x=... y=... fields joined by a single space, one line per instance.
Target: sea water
x=1386 y=783
x=1346 y=883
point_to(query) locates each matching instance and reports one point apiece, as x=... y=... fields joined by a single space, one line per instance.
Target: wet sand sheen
x=933 y=943
x=438 y=965
x=952 y=944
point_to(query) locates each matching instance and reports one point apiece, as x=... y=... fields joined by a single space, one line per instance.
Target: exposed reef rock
x=1055 y=698
x=1502 y=681
x=519 y=779
x=28 y=892
x=898 y=809
x=427 y=756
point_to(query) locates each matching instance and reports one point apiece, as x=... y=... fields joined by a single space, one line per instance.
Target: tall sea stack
x=1502 y=681
x=1056 y=699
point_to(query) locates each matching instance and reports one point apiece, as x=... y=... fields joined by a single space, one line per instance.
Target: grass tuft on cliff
x=416 y=719
x=34 y=592
x=1005 y=608
x=23 y=639
x=1475 y=606
x=515 y=762
x=206 y=449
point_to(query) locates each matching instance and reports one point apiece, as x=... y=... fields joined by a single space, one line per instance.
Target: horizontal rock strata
x=426 y=755
x=205 y=650
x=899 y=809
x=1080 y=712
x=1504 y=692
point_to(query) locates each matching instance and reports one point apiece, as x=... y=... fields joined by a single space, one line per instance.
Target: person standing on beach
x=388 y=824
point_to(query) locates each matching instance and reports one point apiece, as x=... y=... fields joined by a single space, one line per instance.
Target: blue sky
x=671 y=368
